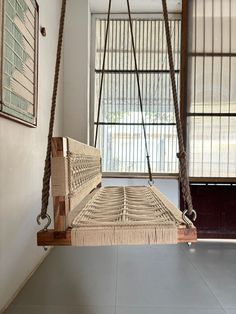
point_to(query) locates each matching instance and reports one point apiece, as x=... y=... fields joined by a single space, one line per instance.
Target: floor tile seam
x=60 y=307
x=124 y=306
x=171 y=307
x=53 y=305
x=204 y=280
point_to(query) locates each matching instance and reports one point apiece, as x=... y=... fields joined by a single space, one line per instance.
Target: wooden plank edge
x=60 y=238
x=187 y=235
x=52 y=237
x=59 y=147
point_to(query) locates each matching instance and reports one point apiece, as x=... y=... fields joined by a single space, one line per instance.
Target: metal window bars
x=120 y=129
x=211 y=91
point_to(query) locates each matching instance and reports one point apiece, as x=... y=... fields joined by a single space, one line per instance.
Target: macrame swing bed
x=87 y=214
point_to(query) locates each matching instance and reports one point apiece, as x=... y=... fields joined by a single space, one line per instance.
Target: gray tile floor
x=171 y=279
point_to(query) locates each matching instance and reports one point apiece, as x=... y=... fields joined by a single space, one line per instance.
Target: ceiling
x=137 y=6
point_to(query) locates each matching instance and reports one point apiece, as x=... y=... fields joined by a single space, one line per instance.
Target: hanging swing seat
x=86 y=214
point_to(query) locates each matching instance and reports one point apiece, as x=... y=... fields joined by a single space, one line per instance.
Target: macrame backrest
x=76 y=171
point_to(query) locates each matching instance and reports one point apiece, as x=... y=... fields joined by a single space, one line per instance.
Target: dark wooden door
x=216 y=210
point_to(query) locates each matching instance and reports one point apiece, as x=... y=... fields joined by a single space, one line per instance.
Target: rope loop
x=47 y=224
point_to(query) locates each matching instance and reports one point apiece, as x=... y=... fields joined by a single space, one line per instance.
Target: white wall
x=76 y=75
x=136 y=6
x=22 y=155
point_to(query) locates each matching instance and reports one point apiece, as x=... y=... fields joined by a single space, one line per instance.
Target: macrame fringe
x=128 y=235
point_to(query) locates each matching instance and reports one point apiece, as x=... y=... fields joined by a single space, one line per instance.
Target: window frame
x=94 y=17
x=185 y=97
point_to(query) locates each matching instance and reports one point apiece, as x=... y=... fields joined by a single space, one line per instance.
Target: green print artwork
x=19 y=60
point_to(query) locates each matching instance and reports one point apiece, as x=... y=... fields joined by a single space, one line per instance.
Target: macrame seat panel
x=86 y=214
x=127 y=215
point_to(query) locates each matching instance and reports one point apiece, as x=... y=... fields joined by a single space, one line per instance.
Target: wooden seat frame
x=62 y=201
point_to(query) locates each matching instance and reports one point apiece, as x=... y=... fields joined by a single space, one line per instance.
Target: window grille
x=120 y=135
x=211 y=91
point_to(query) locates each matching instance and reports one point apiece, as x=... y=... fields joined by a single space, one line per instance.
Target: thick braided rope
x=47 y=167
x=182 y=154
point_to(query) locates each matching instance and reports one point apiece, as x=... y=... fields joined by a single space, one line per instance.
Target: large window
x=212 y=88
x=120 y=136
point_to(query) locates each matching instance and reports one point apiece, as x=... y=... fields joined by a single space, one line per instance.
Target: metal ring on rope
x=47 y=224
x=151 y=182
x=186 y=219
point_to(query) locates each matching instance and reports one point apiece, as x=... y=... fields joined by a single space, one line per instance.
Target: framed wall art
x=19 y=60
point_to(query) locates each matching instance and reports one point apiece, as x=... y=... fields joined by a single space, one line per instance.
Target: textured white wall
x=22 y=155
x=76 y=74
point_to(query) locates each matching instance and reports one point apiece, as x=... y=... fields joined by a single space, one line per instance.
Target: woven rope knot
x=182 y=155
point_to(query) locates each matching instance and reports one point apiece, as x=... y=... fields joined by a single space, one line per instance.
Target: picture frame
x=19 y=25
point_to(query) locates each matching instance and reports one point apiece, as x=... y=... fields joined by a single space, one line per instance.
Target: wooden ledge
x=52 y=237
x=187 y=235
